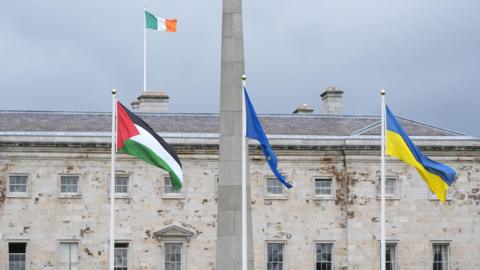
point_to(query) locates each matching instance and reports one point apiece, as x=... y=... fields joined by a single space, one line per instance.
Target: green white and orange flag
x=160 y=24
x=138 y=139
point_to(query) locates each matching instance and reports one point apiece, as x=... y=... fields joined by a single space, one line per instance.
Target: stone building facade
x=54 y=202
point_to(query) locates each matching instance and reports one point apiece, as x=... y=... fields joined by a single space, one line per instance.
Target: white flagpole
x=112 y=182
x=244 y=179
x=144 y=52
x=382 y=187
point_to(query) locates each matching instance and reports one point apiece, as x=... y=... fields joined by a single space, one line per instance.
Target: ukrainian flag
x=439 y=177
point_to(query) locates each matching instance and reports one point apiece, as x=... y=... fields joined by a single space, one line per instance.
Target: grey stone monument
x=229 y=225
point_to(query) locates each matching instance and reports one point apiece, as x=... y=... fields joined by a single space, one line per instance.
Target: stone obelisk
x=229 y=225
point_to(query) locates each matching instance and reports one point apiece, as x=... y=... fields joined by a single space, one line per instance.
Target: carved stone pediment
x=173 y=232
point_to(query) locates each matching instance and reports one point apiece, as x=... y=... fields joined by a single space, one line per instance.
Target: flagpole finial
x=244 y=77
x=114 y=91
x=383 y=92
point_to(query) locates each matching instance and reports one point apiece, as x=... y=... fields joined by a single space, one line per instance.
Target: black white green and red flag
x=138 y=139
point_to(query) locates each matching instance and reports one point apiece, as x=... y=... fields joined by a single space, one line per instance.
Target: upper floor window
x=168 y=186
x=68 y=255
x=18 y=183
x=173 y=256
x=275 y=256
x=274 y=188
x=69 y=184
x=323 y=187
x=121 y=256
x=433 y=197
x=121 y=184
x=440 y=256
x=324 y=256
x=391 y=187
x=17 y=256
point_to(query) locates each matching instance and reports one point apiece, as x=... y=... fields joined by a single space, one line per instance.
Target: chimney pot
x=303 y=109
x=332 y=100
x=151 y=102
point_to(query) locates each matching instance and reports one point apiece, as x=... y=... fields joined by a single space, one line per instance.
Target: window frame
x=13 y=194
x=129 y=252
x=315 y=252
x=183 y=252
x=173 y=195
x=127 y=195
x=396 y=195
x=69 y=195
x=69 y=241
x=449 y=252
x=397 y=249
x=432 y=197
x=395 y=244
x=284 y=257
x=273 y=196
x=333 y=188
x=27 y=257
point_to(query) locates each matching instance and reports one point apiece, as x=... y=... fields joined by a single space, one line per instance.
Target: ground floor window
x=173 y=256
x=121 y=256
x=440 y=256
x=391 y=256
x=68 y=256
x=324 y=258
x=17 y=256
x=275 y=256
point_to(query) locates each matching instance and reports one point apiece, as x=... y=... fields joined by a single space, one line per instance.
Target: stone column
x=229 y=223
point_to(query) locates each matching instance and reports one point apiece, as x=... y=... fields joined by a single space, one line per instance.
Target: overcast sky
x=67 y=55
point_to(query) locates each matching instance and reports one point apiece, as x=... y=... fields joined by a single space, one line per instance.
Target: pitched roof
x=291 y=124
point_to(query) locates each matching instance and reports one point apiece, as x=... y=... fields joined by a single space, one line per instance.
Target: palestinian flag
x=138 y=139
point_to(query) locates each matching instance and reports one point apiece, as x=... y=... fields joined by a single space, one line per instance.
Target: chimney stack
x=151 y=102
x=303 y=109
x=332 y=100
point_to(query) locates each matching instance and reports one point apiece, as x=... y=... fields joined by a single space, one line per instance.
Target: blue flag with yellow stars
x=255 y=131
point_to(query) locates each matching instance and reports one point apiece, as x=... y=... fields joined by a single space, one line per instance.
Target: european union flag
x=255 y=131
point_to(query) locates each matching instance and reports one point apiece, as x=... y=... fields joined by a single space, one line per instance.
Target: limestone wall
x=350 y=219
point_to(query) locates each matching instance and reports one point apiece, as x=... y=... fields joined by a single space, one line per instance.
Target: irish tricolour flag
x=137 y=138
x=160 y=24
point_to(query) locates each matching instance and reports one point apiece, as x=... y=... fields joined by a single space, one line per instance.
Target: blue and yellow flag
x=438 y=176
x=255 y=131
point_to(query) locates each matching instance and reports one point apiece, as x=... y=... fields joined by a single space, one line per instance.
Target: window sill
x=323 y=198
x=18 y=195
x=272 y=197
x=173 y=196
x=437 y=200
x=70 y=196
x=121 y=196
x=389 y=197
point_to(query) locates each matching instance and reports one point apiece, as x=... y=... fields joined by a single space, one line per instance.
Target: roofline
x=216 y=135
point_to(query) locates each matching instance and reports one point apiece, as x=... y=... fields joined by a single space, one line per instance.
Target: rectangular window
x=275 y=252
x=323 y=186
x=121 y=184
x=390 y=187
x=440 y=256
x=18 y=183
x=168 y=187
x=68 y=256
x=324 y=253
x=173 y=256
x=391 y=256
x=121 y=256
x=17 y=256
x=274 y=187
x=69 y=184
